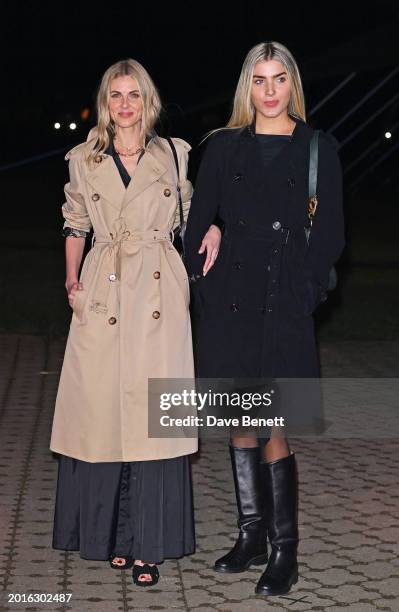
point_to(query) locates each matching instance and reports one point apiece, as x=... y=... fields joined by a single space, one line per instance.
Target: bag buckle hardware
x=312 y=205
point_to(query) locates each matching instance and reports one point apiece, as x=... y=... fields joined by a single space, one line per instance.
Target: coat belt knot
x=111 y=258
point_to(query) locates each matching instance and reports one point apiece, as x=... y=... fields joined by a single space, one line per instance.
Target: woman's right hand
x=72 y=287
x=210 y=244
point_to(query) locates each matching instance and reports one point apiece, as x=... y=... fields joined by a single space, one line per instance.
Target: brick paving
x=348 y=514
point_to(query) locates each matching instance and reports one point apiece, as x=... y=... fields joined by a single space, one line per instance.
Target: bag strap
x=172 y=146
x=313 y=163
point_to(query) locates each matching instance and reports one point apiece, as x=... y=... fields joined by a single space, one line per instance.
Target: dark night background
x=53 y=56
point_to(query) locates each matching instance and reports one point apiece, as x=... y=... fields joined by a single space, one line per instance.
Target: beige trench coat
x=131 y=320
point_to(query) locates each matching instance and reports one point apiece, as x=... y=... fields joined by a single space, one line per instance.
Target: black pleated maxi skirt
x=142 y=508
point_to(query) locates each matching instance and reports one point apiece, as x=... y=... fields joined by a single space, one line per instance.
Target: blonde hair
x=243 y=110
x=149 y=94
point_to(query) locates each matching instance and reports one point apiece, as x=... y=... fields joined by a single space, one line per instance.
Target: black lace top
x=271 y=145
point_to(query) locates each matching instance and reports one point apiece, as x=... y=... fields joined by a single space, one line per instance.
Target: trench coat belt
x=111 y=257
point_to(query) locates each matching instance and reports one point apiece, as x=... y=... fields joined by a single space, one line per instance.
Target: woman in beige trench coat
x=122 y=495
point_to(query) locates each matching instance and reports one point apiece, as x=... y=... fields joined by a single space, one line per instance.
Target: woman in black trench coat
x=255 y=305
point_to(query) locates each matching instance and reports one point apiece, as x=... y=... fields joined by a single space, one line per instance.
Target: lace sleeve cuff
x=194 y=278
x=70 y=231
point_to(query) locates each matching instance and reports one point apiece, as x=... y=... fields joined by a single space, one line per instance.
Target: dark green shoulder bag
x=312 y=203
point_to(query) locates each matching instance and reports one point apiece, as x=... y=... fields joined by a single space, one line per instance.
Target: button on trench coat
x=131 y=320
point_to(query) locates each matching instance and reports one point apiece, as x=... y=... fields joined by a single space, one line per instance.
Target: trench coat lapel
x=148 y=170
x=104 y=178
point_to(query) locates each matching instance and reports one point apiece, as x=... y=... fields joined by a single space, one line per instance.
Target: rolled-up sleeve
x=186 y=191
x=186 y=188
x=74 y=209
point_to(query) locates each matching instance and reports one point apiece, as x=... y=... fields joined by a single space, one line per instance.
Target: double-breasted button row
x=156 y=274
x=155 y=315
x=276 y=225
x=95 y=197
x=167 y=192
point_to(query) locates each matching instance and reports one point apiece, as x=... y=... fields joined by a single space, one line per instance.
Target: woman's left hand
x=210 y=244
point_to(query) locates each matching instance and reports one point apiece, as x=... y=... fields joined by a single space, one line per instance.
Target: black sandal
x=139 y=570
x=129 y=561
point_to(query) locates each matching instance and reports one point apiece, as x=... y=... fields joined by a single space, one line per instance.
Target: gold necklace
x=129 y=152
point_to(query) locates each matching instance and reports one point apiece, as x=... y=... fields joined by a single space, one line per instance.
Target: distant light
x=388 y=135
x=57 y=125
x=85 y=114
x=72 y=126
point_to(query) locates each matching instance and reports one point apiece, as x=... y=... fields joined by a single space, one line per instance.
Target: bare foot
x=119 y=561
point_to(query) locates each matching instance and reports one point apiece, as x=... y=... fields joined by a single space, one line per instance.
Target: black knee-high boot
x=282 y=524
x=251 y=546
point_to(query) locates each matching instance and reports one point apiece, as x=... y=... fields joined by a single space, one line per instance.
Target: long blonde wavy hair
x=243 y=110
x=149 y=94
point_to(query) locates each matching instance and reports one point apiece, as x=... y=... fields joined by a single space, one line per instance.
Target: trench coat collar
x=105 y=179
x=300 y=131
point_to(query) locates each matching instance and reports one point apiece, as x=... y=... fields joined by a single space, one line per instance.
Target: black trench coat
x=255 y=306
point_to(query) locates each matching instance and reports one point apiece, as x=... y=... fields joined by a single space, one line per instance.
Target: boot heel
x=262 y=560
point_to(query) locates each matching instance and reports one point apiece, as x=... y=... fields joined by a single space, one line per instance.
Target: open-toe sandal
x=129 y=561
x=139 y=570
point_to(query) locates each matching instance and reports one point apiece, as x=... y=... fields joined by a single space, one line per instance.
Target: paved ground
x=349 y=510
